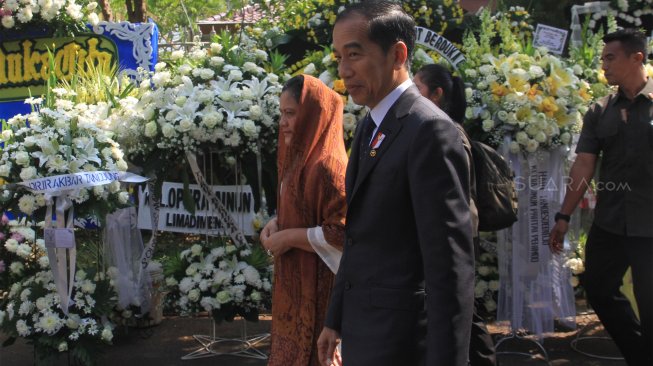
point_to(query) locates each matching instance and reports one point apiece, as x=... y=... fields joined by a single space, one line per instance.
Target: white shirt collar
x=378 y=113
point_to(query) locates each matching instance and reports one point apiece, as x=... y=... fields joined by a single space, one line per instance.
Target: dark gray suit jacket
x=404 y=291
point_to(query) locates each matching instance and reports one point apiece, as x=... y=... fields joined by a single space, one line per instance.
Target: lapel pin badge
x=378 y=139
x=373 y=152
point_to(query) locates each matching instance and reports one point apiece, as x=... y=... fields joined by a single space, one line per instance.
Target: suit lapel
x=352 y=165
x=390 y=127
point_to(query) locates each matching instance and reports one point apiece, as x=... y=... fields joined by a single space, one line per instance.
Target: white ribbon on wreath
x=534 y=284
x=59 y=235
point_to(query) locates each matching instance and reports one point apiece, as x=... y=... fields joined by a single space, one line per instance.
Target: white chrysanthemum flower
x=27 y=204
x=176 y=55
x=22 y=328
x=44 y=262
x=235 y=75
x=185 y=285
x=532 y=145
x=487 y=125
x=215 y=48
x=252 y=276
x=494 y=285
x=5 y=169
x=8 y=21
x=63 y=346
x=88 y=286
x=123 y=197
x=28 y=173
x=480 y=288
x=24 y=250
x=74 y=10
x=107 y=334
x=11 y=245
x=216 y=61
x=49 y=323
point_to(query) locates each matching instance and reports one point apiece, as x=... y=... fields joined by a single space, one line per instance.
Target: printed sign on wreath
x=238 y=200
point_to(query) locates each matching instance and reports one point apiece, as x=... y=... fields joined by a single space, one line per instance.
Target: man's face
x=618 y=65
x=366 y=70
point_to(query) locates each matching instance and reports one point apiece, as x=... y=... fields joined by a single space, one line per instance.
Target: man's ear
x=400 y=53
x=639 y=57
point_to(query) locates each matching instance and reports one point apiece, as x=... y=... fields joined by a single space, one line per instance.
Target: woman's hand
x=270 y=228
x=270 y=238
x=279 y=242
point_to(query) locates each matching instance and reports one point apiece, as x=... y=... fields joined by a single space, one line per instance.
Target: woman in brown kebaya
x=306 y=237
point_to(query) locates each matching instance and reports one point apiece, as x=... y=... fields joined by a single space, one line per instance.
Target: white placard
x=553 y=39
x=238 y=200
x=59 y=238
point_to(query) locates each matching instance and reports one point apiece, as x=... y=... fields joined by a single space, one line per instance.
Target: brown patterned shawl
x=312 y=169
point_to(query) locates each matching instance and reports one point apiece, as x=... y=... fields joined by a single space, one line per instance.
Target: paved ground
x=168 y=342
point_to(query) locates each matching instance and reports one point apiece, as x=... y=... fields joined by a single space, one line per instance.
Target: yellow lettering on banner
x=14 y=61
x=98 y=58
x=3 y=70
x=30 y=60
x=81 y=57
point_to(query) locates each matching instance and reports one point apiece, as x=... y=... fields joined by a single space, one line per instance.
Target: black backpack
x=496 y=196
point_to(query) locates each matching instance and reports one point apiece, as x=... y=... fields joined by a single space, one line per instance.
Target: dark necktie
x=368 y=129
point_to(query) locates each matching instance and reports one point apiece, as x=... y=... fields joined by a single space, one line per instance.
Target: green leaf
x=9 y=341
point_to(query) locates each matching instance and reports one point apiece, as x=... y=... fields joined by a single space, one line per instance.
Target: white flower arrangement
x=31 y=307
x=216 y=96
x=486 y=289
x=533 y=98
x=61 y=138
x=18 y=14
x=575 y=261
x=629 y=12
x=222 y=280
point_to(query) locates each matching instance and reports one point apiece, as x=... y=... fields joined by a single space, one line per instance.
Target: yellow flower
x=518 y=82
x=548 y=106
x=563 y=118
x=649 y=70
x=534 y=91
x=585 y=94
x=339 y=87
x=601 y=77
x=498 y=90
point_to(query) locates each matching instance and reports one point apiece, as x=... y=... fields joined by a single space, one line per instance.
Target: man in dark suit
x=404 y=290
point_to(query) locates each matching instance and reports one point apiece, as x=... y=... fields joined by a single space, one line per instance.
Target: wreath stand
x=245 y=346
x=521 y=336
x=581 y=338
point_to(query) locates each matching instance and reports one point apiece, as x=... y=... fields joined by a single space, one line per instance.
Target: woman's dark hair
x=453 y=101
x=631 y=40
x=388 y=23
x=294 y=86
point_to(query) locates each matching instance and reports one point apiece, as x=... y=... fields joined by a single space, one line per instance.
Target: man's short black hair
x=632 y=41
x=388 y=24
